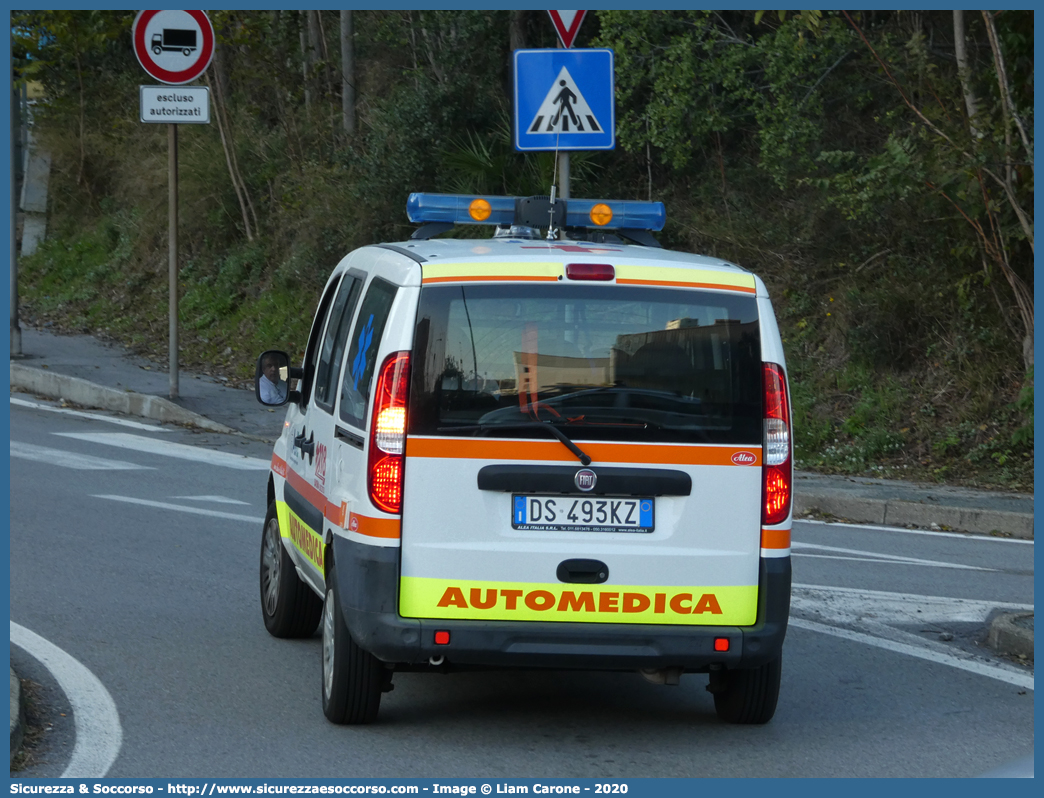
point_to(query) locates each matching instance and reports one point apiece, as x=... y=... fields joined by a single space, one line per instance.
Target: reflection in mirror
x=273 y=385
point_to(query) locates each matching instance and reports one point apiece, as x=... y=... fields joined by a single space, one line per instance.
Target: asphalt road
x=135 y=552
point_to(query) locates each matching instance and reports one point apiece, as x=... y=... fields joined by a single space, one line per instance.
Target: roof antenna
x=551 y=213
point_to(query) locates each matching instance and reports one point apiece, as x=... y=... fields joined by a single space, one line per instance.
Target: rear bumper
x=370 y=576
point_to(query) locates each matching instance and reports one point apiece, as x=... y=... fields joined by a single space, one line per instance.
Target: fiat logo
x=744 y=458
x=585 y=479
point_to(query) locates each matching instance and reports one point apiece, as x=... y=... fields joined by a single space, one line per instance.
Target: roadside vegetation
x=875 y=168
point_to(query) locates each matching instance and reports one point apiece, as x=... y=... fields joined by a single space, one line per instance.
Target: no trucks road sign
x=174 y=47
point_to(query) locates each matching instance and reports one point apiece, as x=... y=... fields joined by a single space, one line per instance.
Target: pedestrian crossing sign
x=564 y=100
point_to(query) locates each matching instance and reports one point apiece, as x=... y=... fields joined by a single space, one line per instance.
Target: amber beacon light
x=479 y=209
x=601 y=214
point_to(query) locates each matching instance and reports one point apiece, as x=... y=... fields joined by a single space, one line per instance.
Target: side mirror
x=272 y=378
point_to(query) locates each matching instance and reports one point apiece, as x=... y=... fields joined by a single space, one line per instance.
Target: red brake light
x=388 y=433
x=777 y=467
x=590 y=271
x=721 y=644
x=442 y=638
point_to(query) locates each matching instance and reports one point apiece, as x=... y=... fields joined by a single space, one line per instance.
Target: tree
x=970 y=155
x=347 y=73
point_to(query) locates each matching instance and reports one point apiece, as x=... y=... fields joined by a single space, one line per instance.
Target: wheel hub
x=271 y=565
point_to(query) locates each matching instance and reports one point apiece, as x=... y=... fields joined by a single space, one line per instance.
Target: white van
x=537 y=450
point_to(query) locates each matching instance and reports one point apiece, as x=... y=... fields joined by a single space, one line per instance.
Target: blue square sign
x=564 y=100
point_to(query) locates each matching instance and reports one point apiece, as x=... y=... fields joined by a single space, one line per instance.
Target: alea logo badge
x=744 y=458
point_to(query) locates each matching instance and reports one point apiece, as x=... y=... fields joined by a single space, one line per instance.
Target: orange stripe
x=307 y=491
x=462 y=278
x=335 y=514
x=374 y=527
x=364 y=525
x=331 y=512
x=505 y=449
x=279 y=465
x=684 y=284
x=775 y=538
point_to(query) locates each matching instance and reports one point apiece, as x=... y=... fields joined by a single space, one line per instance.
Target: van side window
x=329 y=369
x=312 y=350
x=362 y=353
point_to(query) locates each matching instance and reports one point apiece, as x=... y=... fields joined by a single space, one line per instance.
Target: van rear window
x=602 y=362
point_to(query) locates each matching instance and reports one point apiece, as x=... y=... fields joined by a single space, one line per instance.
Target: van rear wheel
x=352 y=677
x=289 y=607
x=747 y=695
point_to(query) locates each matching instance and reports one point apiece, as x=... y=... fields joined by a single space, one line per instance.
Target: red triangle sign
x=567 y=23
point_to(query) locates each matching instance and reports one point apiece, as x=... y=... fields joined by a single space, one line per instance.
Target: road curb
x=1010 y=634
x=900 y=512
x=89 y=394
x=17 y=714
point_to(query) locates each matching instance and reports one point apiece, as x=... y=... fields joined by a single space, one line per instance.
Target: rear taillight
x=388 y=433
x=776 y=463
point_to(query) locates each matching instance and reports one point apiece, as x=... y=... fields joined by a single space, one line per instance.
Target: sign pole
x=566 y=23
x=172 y=181
x=564 y=168
x=175 y=47
x=16 y=330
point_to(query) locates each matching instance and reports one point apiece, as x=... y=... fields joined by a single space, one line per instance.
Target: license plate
x=581 y=514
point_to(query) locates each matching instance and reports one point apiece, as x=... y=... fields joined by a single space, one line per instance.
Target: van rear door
x=583 y=451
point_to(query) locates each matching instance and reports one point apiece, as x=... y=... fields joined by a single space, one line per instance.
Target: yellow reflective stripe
x=696 y=278
x=303 y=537
x=493 y=270
x=689 y=605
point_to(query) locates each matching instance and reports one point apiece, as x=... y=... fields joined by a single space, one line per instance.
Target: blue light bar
x=424 y=207
x=627 y=214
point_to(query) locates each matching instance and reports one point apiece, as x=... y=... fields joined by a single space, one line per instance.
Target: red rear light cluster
x=776 y=460
x=388 y=433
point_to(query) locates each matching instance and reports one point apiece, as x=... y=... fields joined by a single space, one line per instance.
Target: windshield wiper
x=580 y=455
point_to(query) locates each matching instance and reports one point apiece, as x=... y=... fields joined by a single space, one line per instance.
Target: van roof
x=512 y=259
x=446 y=250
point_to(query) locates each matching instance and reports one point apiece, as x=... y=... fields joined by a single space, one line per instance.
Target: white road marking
x=878 y=557
x=182 y=451
x=99 y=734
x=851 y=605
x=959 y=535
x=832 y=608
x=92 y=416
x=994 y=671
x=871 y=559
x=182 y=508
x=82 y=462
x=215 y=499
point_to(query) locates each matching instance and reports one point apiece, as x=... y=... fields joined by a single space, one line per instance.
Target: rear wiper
x=580 y=455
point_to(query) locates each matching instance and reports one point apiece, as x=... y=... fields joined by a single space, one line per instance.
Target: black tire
x=748 y=695
x=352 y=677
x=289 y=606
x=157 y=50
